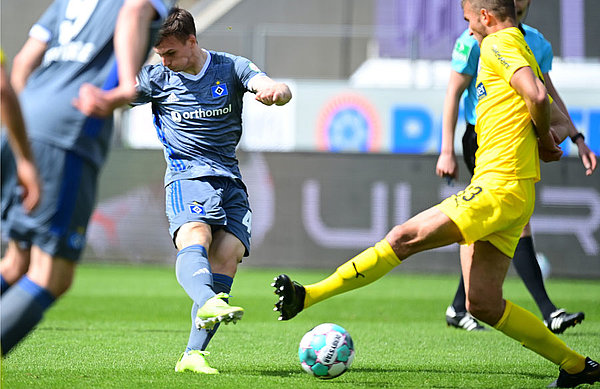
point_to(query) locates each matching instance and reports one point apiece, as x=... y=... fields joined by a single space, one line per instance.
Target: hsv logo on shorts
x=197 y=209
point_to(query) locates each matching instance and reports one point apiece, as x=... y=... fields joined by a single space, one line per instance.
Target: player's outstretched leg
x=216 y=310
x=291 y=297
x=560 y=320
x=589 y=375
x=194 y=361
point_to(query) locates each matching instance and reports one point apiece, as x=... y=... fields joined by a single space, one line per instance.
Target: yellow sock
x=524 y=327
x=366 y=267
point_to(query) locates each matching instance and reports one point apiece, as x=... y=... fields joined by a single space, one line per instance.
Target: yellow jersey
x=505 y=134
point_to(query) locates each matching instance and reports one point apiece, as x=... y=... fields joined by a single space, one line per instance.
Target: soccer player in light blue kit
x=73 y=48
x=465 y=60
x=196 y=98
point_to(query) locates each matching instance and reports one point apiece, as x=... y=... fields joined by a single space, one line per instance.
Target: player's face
x=476 y=28
x=175 y=55
x=521 y=6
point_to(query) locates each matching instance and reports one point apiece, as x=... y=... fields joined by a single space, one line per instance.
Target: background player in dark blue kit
x=74 y=43
x=465 y=59
x=196 y=98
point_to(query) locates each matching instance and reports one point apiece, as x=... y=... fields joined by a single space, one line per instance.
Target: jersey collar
x=198 y=76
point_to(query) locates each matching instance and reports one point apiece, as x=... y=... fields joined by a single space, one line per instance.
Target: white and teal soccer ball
x=326 y=351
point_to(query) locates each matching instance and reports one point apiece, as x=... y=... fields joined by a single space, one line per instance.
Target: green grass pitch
x=125 y=326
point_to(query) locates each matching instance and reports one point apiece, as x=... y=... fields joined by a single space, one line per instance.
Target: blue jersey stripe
x=175 y=164
x=68 y=194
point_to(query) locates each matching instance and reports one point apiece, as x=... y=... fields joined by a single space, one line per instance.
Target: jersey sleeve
x=545 y=61
x=502 y=56
x=246 y=70
x=42 y=30
x=465 y=55
x=143 y=87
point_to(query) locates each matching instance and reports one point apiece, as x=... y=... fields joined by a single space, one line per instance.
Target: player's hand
x=278 y=94
x=588 y=158
x=28 y=178
x=447 y=166
x=548 y=149
x=92 y=101
x=96 y=102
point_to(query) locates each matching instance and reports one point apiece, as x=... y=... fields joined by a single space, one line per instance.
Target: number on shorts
x=472 y=192
x=247 y=221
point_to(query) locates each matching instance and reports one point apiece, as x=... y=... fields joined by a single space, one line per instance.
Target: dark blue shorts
x=217 y=201
x=58 y=224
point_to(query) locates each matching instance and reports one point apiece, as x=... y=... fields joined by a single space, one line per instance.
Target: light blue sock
x=23 y=307
x=199 y=338
x=193 y=273
x=3 y=285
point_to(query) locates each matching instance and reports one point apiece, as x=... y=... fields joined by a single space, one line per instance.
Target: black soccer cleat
x=462 y=320
x=560 y=320
x=291 y=297
x=589 y=375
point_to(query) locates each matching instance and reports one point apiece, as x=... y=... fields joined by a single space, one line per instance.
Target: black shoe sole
x=291 y=297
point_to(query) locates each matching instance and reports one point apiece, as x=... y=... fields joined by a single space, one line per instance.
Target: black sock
x=460 y=297
x=528 y=269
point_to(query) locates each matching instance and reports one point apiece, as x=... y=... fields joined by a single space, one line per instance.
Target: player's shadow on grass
x=299 y=372
x=281 y=373
x=147 y=330
x=446 y=371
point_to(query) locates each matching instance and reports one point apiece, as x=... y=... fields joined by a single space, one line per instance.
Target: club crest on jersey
x=481 y=93
x=197 y=209
x=219 y=89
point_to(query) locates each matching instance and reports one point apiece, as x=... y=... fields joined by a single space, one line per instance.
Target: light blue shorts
x=217 y=201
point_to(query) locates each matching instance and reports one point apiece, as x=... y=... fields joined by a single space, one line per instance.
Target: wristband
x=577 y=136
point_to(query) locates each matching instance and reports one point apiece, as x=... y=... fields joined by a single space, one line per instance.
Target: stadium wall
x=316 y=210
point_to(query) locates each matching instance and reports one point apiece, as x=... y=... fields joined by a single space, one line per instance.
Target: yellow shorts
x=492 y=210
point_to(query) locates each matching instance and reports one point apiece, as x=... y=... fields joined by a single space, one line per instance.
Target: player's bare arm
x=12 y=117
x=25 y=62
x=535 y=95
x=446 y=164
x=587 y=156
x=270 y=92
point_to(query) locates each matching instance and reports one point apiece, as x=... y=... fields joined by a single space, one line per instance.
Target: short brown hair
x=179 y=23
x=502 y=9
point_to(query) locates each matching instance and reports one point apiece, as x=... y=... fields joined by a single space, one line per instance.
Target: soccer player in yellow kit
x=514 y=119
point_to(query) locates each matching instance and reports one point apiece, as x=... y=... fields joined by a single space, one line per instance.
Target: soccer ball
x=326 y=351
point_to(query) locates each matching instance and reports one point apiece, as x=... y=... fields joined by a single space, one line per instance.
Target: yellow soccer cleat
x=216 y=310
x=194 y=361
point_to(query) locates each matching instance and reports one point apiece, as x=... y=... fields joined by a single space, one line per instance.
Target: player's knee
x=403 y=240
x=193 y=233
x=482 y=309
x=13 y=268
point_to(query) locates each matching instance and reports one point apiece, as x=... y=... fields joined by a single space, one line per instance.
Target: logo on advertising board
x=348 y=122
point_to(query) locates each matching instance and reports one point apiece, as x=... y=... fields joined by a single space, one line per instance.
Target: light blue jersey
x=465 y=60
x=79 y=39
x=198 y=118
